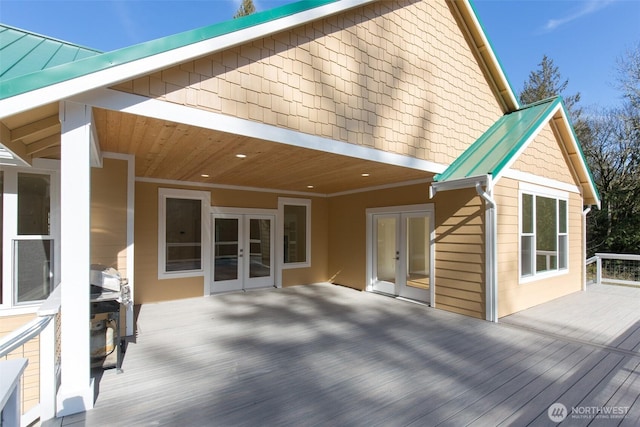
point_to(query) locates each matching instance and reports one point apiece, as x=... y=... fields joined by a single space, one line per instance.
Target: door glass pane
x=34 y=204
x=33 y=269
x=183 y=235
x=259 y=247
x=418 y=252
x=386 y=249
x=226 y=249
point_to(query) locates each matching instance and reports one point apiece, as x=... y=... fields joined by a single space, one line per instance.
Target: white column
x=76 y=388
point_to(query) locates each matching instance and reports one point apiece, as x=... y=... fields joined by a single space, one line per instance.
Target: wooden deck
x=324 y=355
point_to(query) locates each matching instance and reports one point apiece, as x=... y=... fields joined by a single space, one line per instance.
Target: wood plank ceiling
x=174 y=151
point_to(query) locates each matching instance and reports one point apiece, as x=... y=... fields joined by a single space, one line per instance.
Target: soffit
x=33 y=134
x=173 y=151
x=178 y=152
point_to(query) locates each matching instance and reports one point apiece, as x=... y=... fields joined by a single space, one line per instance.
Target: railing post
x=10 y=377
x=48 y=355
x=48 y=374
x=598 y=270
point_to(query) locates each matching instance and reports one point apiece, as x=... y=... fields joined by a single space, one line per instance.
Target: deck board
x=324 y=355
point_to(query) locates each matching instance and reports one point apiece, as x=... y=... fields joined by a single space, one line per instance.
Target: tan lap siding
x=31 y=351
x=150 y=289
x=398 y=76
x=347 y=230
x=460 y=247
x=109 y=215
x=514 y=296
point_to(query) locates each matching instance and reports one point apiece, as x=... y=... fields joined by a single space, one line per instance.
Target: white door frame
x=427 y=208
x=241 y=214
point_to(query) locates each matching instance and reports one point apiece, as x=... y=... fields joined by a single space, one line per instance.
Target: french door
x=402 y=253
x=243 y=251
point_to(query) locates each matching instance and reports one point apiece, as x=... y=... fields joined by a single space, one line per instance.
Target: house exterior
x=371 y=144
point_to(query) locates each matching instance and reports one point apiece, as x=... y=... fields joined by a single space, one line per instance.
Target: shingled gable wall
x=545 y=158
x=398 y=76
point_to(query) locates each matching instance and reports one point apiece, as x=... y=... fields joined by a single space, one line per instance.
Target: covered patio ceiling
x=173 y=151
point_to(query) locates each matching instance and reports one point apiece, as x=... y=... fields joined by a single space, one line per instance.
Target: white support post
x=491 y=250
x=76 y=388
x=598 y=270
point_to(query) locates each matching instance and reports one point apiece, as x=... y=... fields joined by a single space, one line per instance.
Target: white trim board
x=525 y=177
x=161 y=181
x=135 y=104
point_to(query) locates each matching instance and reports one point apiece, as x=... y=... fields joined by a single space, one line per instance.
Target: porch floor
x=326 y=355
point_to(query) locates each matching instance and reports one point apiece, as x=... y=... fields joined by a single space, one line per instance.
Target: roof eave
x=114 y=67
x=490 y=62
x=573 y=149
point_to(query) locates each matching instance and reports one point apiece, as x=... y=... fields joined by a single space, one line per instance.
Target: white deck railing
x=46 y=327
x=618 y=269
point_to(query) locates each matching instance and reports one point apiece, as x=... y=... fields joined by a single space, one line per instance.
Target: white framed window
x=295 y=232
x=29 y=214
x=543 y=232
x=182 y=232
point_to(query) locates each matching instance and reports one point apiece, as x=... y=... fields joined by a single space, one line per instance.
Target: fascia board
x=134 y=104
x=563 y=116
x=107 y=75
x=486 y=52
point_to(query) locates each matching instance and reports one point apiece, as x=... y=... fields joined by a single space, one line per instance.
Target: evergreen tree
x=612 y=149
x=545 y=83
x=246 y=8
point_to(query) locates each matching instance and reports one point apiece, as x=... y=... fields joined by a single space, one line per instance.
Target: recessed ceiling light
x=241 y=156
x=365 y=174
x=309 y=186
x=205 y=175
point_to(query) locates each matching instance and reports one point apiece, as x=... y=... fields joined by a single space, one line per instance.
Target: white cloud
x=586 y=8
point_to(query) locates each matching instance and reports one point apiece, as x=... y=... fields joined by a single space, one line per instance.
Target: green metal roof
x=23 y=52
x=497 y=147
x=29 y=78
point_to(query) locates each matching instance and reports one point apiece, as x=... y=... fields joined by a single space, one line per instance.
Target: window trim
x=9 y=306
x=205 y=206
x=557 y=195
x=287 y=201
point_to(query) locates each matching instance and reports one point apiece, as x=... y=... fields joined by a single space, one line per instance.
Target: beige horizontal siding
x=31 y=351
x=150 y=289
x=347 y=230
x=395 y=75
x=109 y=214
x=512 y=295
x=460 y=260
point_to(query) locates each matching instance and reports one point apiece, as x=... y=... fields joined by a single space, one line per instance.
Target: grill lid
x=105 y=277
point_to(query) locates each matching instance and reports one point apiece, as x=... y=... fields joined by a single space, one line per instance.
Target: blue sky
x=584 y=38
